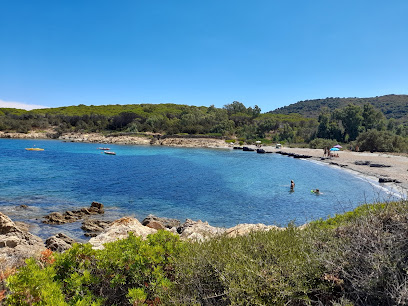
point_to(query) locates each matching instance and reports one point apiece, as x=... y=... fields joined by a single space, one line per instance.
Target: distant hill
x=393 y=106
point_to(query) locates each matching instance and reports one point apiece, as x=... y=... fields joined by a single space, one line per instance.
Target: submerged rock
x=74 y=215
x=120 y=229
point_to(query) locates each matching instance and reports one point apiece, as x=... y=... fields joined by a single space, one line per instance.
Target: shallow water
x=223 y=187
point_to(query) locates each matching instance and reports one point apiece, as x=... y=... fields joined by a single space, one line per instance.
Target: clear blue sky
x=268 y=53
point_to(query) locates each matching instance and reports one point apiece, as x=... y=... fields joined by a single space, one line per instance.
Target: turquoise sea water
x=223 y=187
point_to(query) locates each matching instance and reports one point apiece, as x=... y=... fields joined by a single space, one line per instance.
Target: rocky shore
x=17 y=243
x=391 y=169
x=147 y=139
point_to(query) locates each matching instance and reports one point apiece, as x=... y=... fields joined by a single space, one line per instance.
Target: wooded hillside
x=380 y=126
x=392 y=106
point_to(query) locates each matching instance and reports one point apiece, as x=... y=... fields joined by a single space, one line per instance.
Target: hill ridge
x=391 y=105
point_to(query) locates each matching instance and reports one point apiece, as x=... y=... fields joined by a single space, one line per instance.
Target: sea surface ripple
x=223 y=187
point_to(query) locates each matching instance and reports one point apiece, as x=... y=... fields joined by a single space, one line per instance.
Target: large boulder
x=16 y=244
x=245 y=229
x=59 y=242
x=198 y=230
x=160 y=223
x=94 y=227
x=120 y=229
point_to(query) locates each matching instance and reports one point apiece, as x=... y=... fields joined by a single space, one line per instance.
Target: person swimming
x=292 y=185
x=316 y=191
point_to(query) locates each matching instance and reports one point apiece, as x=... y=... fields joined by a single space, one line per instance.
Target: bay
x=224 y=187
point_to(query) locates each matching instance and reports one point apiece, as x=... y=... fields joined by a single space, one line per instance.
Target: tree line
x=363 y=126
x=233 y=120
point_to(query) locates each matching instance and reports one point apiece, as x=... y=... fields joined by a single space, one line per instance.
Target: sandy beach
x=396 y=166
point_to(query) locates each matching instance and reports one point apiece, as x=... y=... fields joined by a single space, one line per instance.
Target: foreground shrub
x=136 y=269
x=370 y=256
x=357 y=258
x=128 y=271
x=35 y=285
x=263 y=268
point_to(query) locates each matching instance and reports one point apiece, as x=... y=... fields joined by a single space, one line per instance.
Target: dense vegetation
x=373 y=124
x=233 y=120
x=392 y=106
x=358 y=258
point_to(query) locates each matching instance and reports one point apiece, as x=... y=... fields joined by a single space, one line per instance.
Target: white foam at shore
x=372 y=180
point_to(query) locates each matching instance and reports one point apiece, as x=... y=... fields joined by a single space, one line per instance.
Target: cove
x=224 y=187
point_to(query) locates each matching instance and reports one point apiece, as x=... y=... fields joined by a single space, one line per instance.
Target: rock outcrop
x=189 y=230
x=294 y=155
x=59 y=242
x=387 y=180
x=160 y=223
x=17 y=244
x=379 y=165
x=245 y=229
x=120 y=229
x=99 y=138
x=74 y=215
x=362 y=162
x=198 y=230
x=94 y=227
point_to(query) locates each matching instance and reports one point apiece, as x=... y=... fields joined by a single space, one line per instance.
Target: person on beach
x=292 y=185
x=324 y=151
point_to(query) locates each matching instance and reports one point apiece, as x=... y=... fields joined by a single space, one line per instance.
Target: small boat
x=34 y=149
x=109 y=153
x=105 y=149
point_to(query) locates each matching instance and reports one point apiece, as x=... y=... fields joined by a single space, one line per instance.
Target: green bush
x=127 y=271
x=382 y=141
x=262 y=268
x=356 y=258
x=137 y=268
x=369 y=256
x=35 y=285
x=321 y=143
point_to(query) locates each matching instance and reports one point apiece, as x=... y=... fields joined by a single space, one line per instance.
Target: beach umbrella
x=334 y=149
x=337 y=146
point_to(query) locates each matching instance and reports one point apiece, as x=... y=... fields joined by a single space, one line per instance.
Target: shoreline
x=395 y=166
x=393 y=189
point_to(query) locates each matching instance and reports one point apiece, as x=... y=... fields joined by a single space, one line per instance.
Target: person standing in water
x=292 y=185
